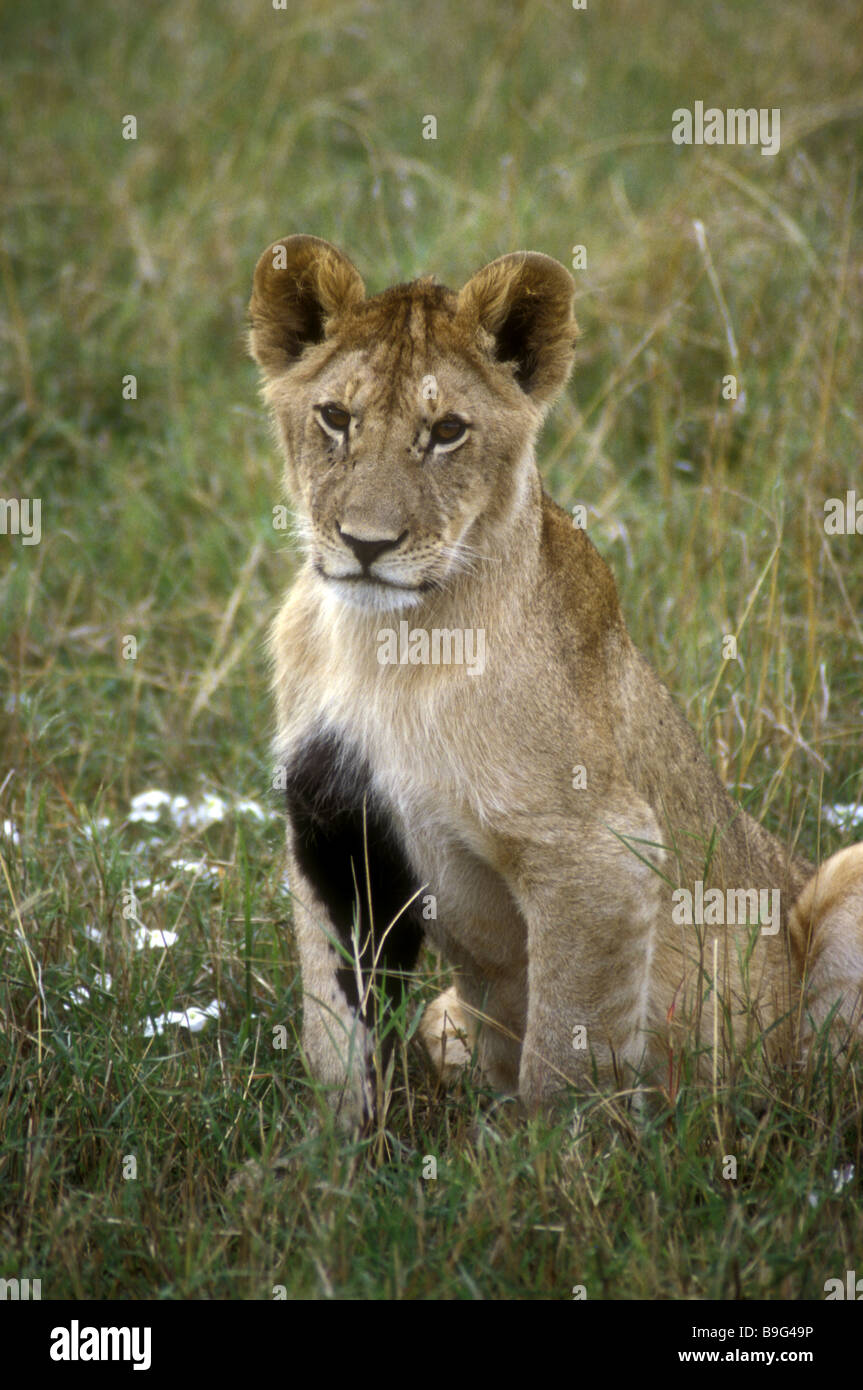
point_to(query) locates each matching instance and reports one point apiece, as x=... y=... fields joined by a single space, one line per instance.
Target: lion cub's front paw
x=448 y=1033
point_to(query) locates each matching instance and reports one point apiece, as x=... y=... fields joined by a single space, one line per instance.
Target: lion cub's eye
x=335 y=416
x=449 y=430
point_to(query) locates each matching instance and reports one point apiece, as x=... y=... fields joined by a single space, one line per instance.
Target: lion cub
x=474 y=753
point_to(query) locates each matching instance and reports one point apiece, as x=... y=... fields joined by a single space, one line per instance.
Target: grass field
x=140 y=1158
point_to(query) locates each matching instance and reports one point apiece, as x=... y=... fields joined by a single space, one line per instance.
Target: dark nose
x=367 y=551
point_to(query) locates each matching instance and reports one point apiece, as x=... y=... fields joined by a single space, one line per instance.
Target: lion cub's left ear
x=524 y=301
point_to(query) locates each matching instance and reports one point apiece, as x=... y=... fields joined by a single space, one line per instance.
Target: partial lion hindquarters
x=473 y=751
x=826 y=929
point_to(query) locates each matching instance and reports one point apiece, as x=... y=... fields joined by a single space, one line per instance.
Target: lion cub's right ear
x=300 y=283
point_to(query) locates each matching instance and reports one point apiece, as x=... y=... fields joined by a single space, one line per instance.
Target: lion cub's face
x=407 y=418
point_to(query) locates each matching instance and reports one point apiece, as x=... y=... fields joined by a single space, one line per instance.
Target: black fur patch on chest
x=348 y=847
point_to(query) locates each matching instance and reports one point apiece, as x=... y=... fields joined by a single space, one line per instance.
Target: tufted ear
x=524 y=301
x=300 y=283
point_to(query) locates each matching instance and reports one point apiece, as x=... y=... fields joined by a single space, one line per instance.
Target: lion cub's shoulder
x=581 y=592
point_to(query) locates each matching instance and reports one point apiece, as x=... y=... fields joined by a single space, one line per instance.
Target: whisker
x=464 y=558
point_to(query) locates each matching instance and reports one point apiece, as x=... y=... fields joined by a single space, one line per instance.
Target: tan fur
x=449 y=1034
x=553 y=901
x=827 y=942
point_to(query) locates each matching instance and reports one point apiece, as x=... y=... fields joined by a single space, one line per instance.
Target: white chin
x=374 y=598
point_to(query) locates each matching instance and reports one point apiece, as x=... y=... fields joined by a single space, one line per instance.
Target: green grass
x=124 y=257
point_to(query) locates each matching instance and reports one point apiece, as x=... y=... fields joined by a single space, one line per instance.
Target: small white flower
x=210 y=809
x=147 y=806
x=839 y=1178
x=102 y=823
x=178 y=808
x=842 y=1176
x=196 y=866
x=844 y=817
x=194 y=1019
x=144 y=937
x=10 y=831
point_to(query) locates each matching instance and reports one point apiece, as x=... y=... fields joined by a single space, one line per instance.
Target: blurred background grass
x=116 y=257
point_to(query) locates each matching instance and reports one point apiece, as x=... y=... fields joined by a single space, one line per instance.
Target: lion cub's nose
x=367 y=549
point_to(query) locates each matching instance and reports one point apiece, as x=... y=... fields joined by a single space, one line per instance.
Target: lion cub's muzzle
x=368 y=549
x=369 y=564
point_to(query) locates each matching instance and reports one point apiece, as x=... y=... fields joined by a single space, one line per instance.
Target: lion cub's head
x=407 y=418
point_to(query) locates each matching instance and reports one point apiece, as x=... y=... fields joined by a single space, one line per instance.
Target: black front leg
x=355 y=889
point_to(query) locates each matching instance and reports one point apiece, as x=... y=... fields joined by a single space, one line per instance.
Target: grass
x=122 y=257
